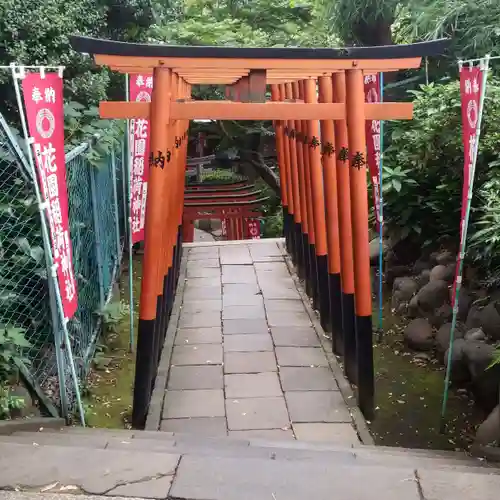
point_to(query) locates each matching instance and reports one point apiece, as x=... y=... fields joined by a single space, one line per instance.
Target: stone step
x=293 y=444
x=145 y=474
x=237 y=448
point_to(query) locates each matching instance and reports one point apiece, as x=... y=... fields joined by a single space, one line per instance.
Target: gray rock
x=406 y=285
x=394 y=272
x=421 y=265
x=418 y=335
x=404 y=289
x=474 y=317
x=433 y=295
x=443 y=337
x=422 y=356
x=424 y=277
x=413 y=309
x=485 y=379
x=441 y=316
x=398 y=303
x=459 y=372
x=475 y=334
x=488 y=432
x=464 y=303
x=445 y=273
x=445 y=257
x=490 y=320
x=375 y=248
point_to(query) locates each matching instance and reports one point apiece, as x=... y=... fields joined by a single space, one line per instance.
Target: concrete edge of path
x=155 y=410
x=344 y=385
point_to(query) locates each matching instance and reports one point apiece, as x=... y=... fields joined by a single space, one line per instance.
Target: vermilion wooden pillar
x=153 y=252
x=346 y=342
x=303 y=250
x=278 y=128
x=312 y=289
x=318 y=208
x=170 y=197
x=286 y=150
x=294 y=180
x=355 y=112
x=297 y=216
x=331 y=210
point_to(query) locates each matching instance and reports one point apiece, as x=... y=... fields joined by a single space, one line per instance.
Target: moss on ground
x=409 y=390
x=108 y=399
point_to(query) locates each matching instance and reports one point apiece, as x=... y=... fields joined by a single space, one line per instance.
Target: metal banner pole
x=18 y=72
x=484 y=64
x=128 y=173
x=381 y=222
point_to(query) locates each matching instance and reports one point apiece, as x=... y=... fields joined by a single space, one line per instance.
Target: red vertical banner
x=253 y=229
x=141 y=87
x=372 y=94
x=470 y=95
x=43 y=101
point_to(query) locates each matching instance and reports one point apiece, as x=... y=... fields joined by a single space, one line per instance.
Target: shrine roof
x=96 y=46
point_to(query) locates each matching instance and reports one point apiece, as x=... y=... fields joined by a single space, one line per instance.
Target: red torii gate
x=221 y=204
x=329 y=226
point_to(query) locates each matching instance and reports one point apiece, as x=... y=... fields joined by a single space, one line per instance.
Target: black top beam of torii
x=94 y=46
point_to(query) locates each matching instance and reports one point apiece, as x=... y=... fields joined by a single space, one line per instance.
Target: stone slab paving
x=247 y=360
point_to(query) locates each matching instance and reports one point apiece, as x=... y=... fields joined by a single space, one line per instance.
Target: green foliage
x=113 y=313
x=358 y=21
x=496 y=357
x=473 y=26
x=23 y=275
x=83 y=124
x=12 y=344
x=8 y=402
x=272 y=225
x=38 y=33
x=219 y=175
x=244 y=23
x=423 y=172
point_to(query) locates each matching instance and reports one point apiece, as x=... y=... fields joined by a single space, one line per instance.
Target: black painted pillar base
x=170 y=299
x=292 y=243
x=336 y=313
x=364 y=351
x=314 y=276
x=307 y=264
x=299 y=265
x=143 y=370
x=179 y=256
x=162 y=318
x=349 y=334
x=286 y=225
x=323 y=291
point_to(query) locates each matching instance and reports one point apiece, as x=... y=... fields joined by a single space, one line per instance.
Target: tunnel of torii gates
x=314 y=93
x=229 y=202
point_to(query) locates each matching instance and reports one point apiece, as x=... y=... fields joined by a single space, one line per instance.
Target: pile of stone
x=423 y=295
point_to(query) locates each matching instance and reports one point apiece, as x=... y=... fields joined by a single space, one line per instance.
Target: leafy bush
x=8 y=402
x=423 y=169
x=12 y=344
x=112 y=314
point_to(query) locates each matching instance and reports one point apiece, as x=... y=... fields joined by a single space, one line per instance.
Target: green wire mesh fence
x=97 y=224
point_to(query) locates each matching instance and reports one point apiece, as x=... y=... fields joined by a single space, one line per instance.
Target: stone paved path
x=246 y=360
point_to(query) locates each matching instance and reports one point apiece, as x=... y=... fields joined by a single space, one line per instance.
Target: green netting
x=97 y=223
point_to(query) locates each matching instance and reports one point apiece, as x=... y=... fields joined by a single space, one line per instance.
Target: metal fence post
x=115 y=206
x=98 y=248
x=124 y=172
